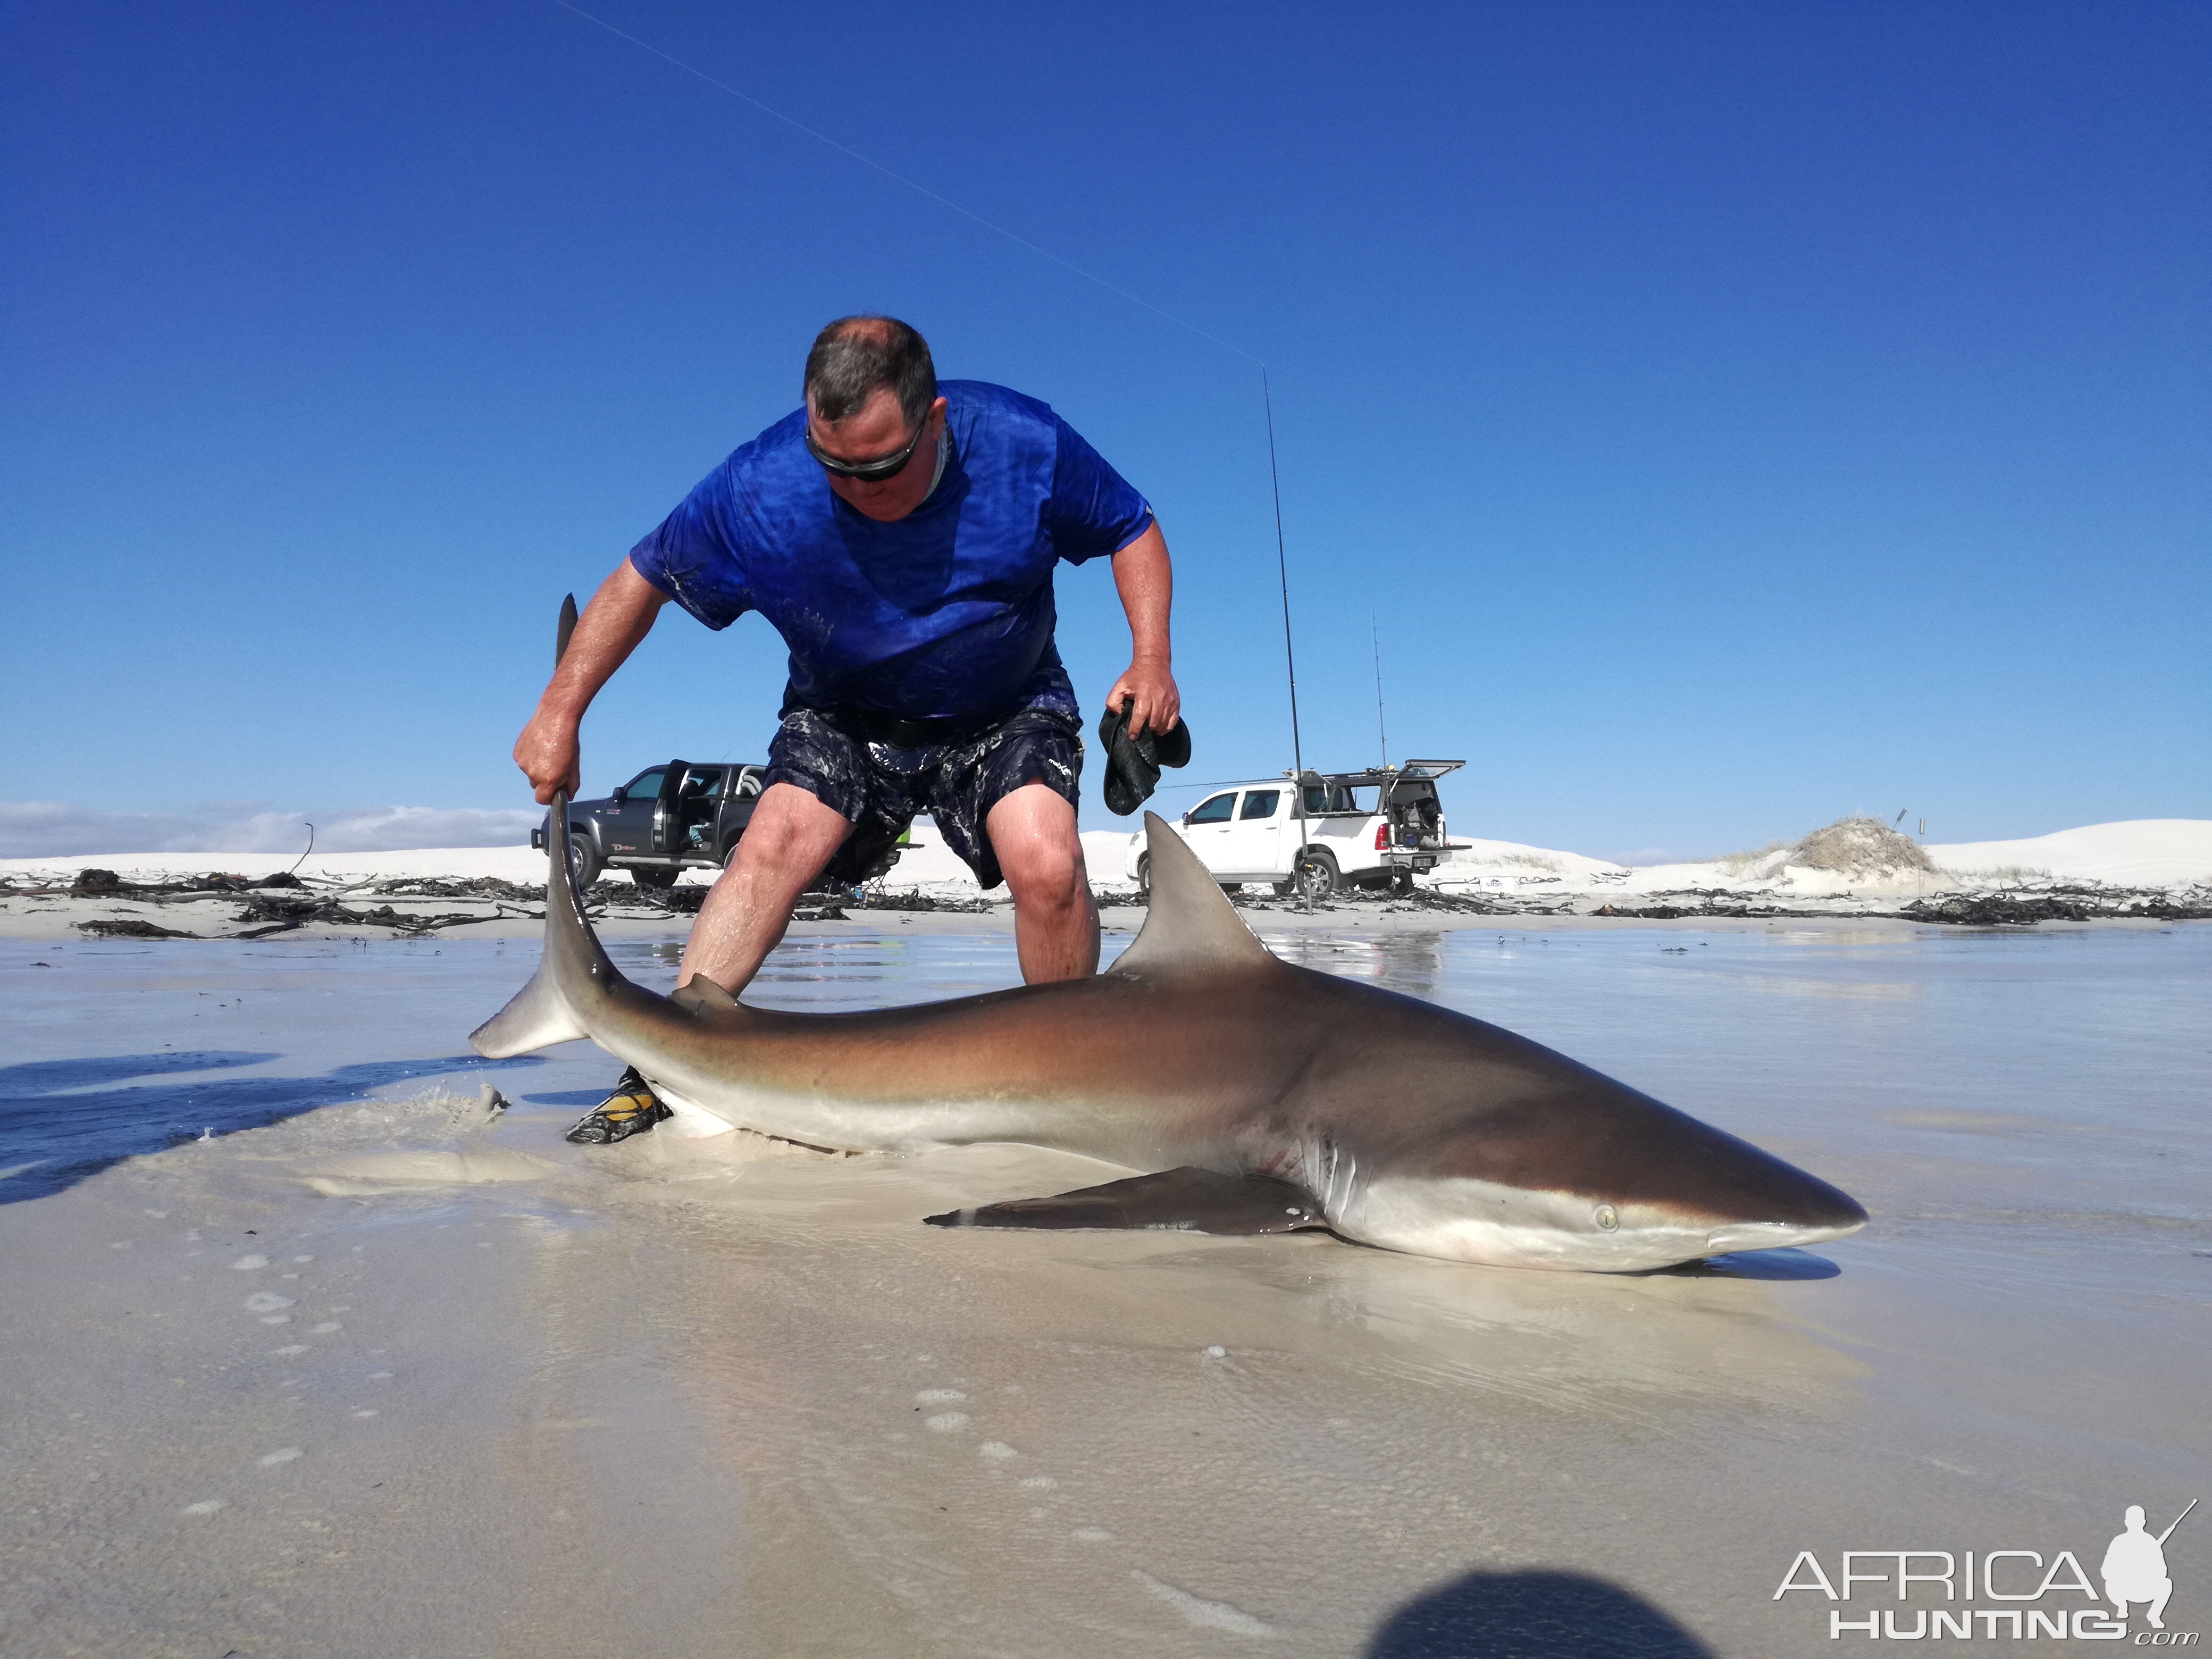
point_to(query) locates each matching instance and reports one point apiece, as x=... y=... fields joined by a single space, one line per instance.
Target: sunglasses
x=875 y=472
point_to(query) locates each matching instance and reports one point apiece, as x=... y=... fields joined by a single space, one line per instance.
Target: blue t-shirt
x=946 y=614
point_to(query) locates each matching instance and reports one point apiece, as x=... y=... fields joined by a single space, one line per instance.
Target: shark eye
x=1607 y=1216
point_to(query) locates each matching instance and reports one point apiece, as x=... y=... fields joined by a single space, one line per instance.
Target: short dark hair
x=856 y=355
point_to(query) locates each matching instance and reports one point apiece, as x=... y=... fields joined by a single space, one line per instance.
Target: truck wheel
x=658 y=877
x=1401 y=883
x=1145 y=877
x=584 y=863
x=1317 y=876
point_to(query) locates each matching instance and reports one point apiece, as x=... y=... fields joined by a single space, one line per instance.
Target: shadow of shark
x=1244 y=1088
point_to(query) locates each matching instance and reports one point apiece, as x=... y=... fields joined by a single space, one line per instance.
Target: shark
x=1248 y=1095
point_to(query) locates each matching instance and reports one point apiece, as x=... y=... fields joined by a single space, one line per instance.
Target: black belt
x=870 y=726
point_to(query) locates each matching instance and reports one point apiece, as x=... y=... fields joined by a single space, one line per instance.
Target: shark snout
x=1786 y=1207
x=1776 y=1235
x=1480 y=1221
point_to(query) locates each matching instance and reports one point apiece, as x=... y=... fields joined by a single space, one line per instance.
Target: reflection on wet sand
x=825 y=973
x=1411 y=963
x=666 y=1396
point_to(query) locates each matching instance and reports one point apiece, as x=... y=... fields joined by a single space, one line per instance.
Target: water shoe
x=629 y=1111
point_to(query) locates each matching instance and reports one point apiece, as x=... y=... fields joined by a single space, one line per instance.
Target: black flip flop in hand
x=1133 y=762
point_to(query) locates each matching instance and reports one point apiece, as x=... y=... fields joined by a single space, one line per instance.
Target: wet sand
x=215 y=920
x=675 y=1398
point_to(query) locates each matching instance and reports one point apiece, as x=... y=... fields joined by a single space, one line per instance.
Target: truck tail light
x=1383 y=836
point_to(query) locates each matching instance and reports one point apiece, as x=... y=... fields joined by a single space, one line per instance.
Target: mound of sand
x=1859 y=847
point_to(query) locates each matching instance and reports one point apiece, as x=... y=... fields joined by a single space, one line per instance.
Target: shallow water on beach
x=856 y=1433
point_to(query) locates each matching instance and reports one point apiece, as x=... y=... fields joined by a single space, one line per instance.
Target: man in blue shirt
x=902 y=537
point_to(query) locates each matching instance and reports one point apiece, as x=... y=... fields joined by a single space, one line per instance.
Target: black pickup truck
x=667 y=819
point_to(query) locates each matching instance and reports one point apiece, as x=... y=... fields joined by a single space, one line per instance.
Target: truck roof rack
x=1430 y=769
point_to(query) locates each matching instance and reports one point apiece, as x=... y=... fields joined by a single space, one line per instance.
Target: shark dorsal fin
x=1192 y=923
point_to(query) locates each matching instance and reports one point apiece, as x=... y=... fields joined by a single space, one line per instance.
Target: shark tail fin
x=574 y=969
x=538 y=1017
x=1191 y=923
x=574 y=974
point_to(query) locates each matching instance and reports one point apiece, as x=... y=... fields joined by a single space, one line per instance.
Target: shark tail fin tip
x=574 y=974
x=538 y=1018
x=1191 y=922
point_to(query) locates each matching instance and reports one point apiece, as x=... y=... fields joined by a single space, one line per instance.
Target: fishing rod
x=1289 y=660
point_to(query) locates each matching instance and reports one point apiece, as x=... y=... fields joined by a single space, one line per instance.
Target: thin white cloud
x=52 y=829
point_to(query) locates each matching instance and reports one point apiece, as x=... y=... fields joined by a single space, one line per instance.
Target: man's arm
x=1146 y=584
x=620 y=615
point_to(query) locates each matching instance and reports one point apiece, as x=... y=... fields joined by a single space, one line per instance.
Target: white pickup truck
x=1374 y=829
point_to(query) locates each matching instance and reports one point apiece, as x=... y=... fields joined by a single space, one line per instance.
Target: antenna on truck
x=1382 y=732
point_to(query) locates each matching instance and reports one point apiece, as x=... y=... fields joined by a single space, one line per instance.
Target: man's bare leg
x=1056 y=924
x=786 y=844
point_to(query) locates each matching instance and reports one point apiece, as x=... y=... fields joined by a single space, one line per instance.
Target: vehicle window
x=1412 y=804
x=1341 y=797
x=702 y=780
x=646 y=786
x=1261 y=803
x=1215 y=810
x=749 y=784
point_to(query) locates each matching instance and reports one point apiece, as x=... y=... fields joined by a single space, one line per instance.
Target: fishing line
x=1274 y=475
x=798 y=125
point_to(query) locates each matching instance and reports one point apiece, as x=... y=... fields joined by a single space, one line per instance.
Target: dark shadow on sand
x=60 y=1121
x=1776 y=1264
x=568 y=1097
x=1532 y=1615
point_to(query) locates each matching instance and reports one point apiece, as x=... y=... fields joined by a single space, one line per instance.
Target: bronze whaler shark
x=1257 y=1096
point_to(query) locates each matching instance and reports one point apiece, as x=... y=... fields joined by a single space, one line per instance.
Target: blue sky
x=1732 y=416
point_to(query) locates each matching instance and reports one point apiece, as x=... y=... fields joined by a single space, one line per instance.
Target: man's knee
x=791 y=833
x=1039 y=851
x=1048 y=876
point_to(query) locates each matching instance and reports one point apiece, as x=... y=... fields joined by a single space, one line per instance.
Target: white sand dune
x=2141 y=853
x=506 y=863
x=928 y=860
x=2135 y=853
x=1512 y=857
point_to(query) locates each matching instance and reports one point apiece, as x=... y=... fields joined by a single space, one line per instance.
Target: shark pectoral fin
x=1184 y=1201
x=538 y=1017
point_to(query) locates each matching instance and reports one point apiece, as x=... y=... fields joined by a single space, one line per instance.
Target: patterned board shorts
x=880 y=786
